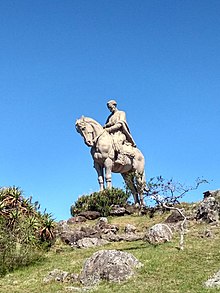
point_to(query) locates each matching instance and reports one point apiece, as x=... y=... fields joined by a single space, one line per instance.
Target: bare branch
x=167 y=193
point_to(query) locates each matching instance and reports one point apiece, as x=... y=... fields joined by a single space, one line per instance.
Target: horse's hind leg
x=141 y=185
x=129 y=181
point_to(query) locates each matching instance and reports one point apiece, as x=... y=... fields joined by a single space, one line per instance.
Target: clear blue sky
x=62 y=59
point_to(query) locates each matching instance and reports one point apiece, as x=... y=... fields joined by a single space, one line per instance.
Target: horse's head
x=87 y=128
x=84 y=128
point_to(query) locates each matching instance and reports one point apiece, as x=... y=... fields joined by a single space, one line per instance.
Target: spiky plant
x=23 y=229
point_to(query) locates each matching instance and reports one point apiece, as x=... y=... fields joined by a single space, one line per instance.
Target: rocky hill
x=130 y=253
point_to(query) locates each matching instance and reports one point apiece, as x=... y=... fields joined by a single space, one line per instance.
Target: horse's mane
x=89 y=120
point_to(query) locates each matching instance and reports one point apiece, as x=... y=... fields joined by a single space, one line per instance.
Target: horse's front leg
x=99 y=170
x=108 y=172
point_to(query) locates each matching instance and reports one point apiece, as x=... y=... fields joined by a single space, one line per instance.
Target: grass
x=165 y=268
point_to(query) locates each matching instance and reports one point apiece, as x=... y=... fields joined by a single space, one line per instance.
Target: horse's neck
x=101 y=135
x=98 y=129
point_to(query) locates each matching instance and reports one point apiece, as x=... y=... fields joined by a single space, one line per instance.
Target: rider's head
x=112 y=105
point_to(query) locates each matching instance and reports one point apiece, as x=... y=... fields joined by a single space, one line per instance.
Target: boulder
x=110 y=265
x=103 y=220
x=75 y=220
x=117 y=211
x=90 y=242
x=213 y=193
x=131 y=209
x=130 y=229
x=209 y=208
x=90 y=232
x=90 y=215
x=174 y=217
x=213 y=282
x=61 y=227
x=158 y=233
x=103 y=227
x=71 y=237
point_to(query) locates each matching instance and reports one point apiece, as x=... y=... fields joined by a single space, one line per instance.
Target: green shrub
x=18 y=246
x=101 y=201
x=24 y=230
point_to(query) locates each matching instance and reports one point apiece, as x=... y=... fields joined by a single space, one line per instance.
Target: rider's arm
x=107 y=123
x=115 y=127
x=118 y=124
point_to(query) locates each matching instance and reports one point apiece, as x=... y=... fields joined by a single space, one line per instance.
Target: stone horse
x=103 y=153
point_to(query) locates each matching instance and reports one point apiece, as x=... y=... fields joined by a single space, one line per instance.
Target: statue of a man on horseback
x=117 y=126
x=113 y=150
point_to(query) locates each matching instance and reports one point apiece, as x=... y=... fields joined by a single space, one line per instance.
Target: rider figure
x=117 y=126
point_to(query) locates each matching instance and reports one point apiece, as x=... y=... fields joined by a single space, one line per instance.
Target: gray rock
x=71 y=237
x=76 y=220
x=130 y=229
x=90 y=215
x=123 y=237
x=90 y=242
x=110 y=265
x=60 y=276
x=61 y=227
x=213 y=193
x=214 y=282
x=103 y=227
x=131 y=209
x=174 y=217
x=90 y=232
x=209 y=209
x=103 y=220
x=158 y=233
x=117 y=211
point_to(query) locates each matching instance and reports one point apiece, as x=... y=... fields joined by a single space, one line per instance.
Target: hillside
x=165 y=267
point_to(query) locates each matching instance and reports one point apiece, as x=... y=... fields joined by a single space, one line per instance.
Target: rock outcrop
x=110 y=265
x=158 y=233
x=209 y=208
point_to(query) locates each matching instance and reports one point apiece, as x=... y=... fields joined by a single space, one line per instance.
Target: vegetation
x=164 y=193
x=101 y=201
x=25 y=231
x=165 y=268
x=169 y=192
x=167 y=195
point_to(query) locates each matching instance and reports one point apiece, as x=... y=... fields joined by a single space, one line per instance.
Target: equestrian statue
x=113 y=150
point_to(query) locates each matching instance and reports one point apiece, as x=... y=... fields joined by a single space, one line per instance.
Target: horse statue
x=103 y=153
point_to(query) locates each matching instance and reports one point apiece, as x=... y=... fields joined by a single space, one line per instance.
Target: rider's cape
x=126 y=131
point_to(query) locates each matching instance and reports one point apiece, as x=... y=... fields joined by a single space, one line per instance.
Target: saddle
x=127 y=151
